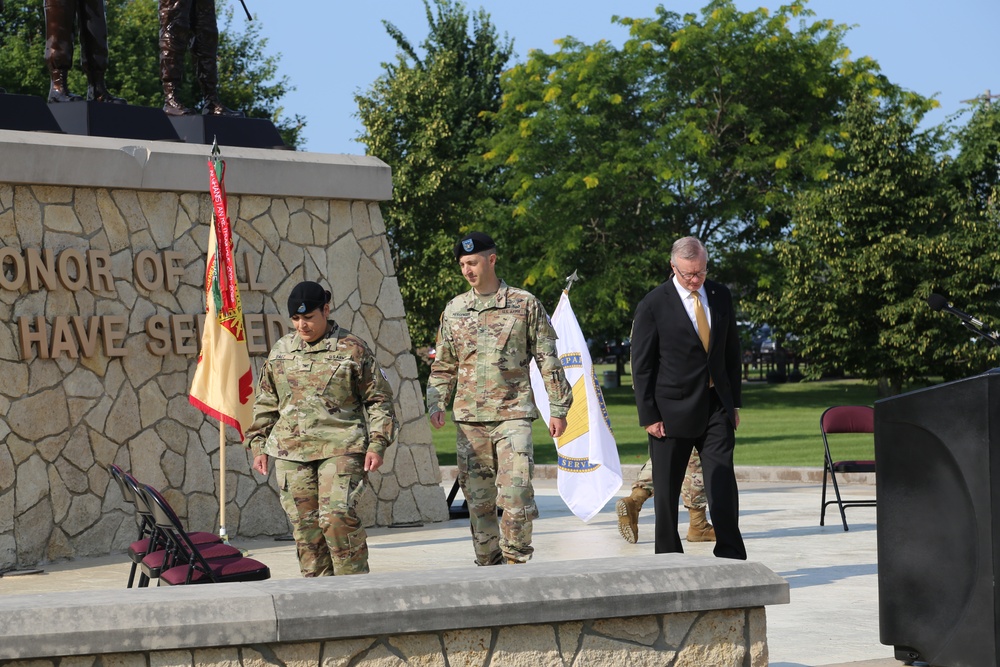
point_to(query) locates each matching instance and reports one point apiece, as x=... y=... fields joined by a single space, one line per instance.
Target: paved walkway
x=832 y=618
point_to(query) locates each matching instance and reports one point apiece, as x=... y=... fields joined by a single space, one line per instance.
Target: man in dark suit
x=686 y=373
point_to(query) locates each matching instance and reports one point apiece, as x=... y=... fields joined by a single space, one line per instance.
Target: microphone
x=938 y=302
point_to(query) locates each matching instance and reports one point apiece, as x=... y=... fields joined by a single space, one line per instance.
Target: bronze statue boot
x=58 y=92
x=173 y=106
x=97 y=91
x=212 y=106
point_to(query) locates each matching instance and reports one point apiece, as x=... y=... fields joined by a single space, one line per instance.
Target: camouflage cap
x=306 y=297
x=473 y=242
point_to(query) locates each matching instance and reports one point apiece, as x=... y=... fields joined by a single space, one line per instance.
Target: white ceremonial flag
x=589 y=470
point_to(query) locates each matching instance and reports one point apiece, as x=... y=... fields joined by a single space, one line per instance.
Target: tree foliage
x=888 y=229
x=248 y=75
x=703 y=125
x=425 y=117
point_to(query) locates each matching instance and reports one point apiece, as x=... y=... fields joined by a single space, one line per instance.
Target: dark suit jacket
x=670 y=368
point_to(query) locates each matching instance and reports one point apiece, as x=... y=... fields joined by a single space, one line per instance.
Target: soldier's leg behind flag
x=695 y=500
x=628 y=507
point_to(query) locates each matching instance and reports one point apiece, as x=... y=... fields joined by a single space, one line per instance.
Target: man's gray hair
x=688 y=248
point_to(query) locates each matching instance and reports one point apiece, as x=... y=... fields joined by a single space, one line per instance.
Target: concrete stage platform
x=832 y=618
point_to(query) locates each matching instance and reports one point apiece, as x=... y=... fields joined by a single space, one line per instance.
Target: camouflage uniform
x=484 y=347
x=693 y=489
x=320 y=407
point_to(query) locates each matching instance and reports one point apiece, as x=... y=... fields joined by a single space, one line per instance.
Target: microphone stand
x=991 y=336
x=938 y=302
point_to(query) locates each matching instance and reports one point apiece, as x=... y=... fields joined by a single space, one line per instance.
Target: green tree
x=976 y=170
x=22 y=48
x=571 y=149
x=867 y=249
x=972 y=268
x=702 y=125
x=425 y=117
x=248 y=75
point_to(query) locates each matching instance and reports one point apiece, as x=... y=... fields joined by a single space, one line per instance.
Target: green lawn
x=779 y=425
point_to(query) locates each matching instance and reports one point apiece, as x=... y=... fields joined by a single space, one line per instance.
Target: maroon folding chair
x=844 y=419
x=202 y=565
x=150 y=553
x=140 y=546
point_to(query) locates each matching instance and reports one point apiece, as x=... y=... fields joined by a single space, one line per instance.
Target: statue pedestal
x=228 y=131
x=124 y=121
x=26 y=113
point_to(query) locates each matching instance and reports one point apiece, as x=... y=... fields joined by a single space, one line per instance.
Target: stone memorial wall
x=653 y=610
x=102 y=261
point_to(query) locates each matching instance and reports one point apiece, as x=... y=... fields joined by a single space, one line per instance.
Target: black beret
x=472 y=243
x=306 y=297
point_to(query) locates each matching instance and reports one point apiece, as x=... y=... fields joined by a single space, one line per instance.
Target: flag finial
x=216 y=153
x=570 y=280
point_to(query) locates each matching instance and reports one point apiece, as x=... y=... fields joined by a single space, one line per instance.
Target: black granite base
x=228 y=131
x=124 y=121
x=26 y=113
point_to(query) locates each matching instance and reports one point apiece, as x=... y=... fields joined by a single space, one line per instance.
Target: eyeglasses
x=690 y=276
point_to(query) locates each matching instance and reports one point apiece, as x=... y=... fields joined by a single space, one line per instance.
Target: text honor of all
x=77 y=336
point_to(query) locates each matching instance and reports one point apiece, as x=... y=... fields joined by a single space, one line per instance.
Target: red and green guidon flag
x=223 y=381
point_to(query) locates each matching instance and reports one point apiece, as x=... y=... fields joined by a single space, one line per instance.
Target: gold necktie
x=701 y=320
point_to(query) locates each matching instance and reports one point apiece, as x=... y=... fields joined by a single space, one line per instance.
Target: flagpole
x=216 y=155
x=222 y=482
x=222 y=386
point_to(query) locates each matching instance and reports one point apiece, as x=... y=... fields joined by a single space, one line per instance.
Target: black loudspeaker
x=938 y=452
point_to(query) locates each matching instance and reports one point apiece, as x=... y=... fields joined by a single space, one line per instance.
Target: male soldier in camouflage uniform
x=324 y=413
x=486 y=340
x=692 y=495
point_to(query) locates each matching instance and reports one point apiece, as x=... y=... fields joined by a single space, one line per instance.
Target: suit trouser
x=670 y=458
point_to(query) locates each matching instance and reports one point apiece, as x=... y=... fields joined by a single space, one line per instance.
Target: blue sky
x=330 y=49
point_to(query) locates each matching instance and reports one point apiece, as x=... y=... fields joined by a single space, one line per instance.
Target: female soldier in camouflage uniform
x=324 y=413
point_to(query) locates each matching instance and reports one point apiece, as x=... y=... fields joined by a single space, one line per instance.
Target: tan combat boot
x=699 y=529
x=628 y=514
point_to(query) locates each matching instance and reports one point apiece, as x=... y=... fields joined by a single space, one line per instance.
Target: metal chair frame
x=194 y=565
x=844 y=419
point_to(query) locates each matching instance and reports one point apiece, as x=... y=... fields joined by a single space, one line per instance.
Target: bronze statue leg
x=60 y=16
x=94 y=49
x=204 y=52
x=205 y=46
x=175 y=34
x=93 y=37
x=184 y=24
